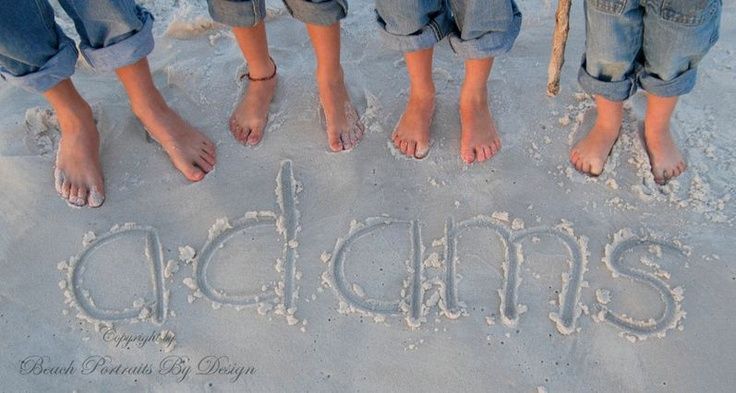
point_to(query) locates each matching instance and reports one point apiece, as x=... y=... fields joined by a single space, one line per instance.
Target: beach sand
x=293 y=269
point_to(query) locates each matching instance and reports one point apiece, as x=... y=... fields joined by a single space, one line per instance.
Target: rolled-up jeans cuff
x=436 y=30
x=325 y=13
x=682 y=84
x=613 y=90
x=125 y=52
x=244 y=13
x=491 y=44
x=56 y=69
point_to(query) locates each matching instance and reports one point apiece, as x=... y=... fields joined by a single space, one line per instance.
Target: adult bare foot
x=664 y=156
x=412 y=133
x=590 y=154
x=78 y=173
x=343 y=127
x=249 y=119
x=479 y=139
x=192 y=153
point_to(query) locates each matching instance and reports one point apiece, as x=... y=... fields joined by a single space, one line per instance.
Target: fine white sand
x=292 y=269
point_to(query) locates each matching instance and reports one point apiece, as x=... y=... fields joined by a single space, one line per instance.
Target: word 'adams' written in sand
x=181 y=368
x=430 y=281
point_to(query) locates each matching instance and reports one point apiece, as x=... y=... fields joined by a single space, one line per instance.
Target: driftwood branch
x=559 y=40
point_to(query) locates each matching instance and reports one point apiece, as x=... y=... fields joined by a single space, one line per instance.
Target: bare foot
x=590 y=154
x=192 y=153
x=411 y=135
x=250 y=117
x=665 y=158
x=78 y=173
x=344 y=128
x=479 y=139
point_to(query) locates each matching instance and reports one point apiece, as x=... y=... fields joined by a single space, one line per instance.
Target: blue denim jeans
x=476 y=28
x=655 y=45
x=36 y=55
x=247 y=13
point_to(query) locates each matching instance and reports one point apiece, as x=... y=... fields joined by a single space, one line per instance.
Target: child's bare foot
x=192 y=153
x=78 y=173
x=479 y=139
x=666 y=160
x=343 y=127
x=664 y=156
x=590 y=154
x=249 y=119
x=411 y=135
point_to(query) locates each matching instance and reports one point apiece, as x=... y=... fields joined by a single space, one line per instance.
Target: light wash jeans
x=36 y=55
x=476 y=28
x=247 y=13
x=655 y=45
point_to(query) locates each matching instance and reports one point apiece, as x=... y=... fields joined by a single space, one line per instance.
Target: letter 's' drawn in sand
x=141 y=310
x=633 y=330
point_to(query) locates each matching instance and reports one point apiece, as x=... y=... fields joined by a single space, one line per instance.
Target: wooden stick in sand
x=559 y=40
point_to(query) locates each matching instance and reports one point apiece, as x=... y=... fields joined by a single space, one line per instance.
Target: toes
x=96 y=197
x=587 y=167
x=404 y=145
x=578 y=165
x=411 y=148
x=574 y=155
x=65 y=189
x=58 y=180
x=334 y=142
x=255 y=136
x=347 y=143
x=245 y=134
x=359 y=131
x=487 y=153
x=355 y=135
x=82 y=196
x=203 y=164
x=209 y=148
x=681 y=168
x=421 y=151
x=207 y=158
x=467 y=154
x=73 y=190
x=193 y=173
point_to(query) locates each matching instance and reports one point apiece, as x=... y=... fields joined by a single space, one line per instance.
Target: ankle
x=74 y=117
x=654 y=132
x=474 y=94
x=422 y=93
x=329 y=75
x=262 y=69
x=145 y=107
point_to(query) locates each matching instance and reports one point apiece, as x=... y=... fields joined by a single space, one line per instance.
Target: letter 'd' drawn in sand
x=286 y=223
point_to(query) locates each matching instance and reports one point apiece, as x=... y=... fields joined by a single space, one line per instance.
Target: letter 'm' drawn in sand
x=286 y=224
x=82 y=300
x=374 y=307
x=572 y=281
x=625 y=241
